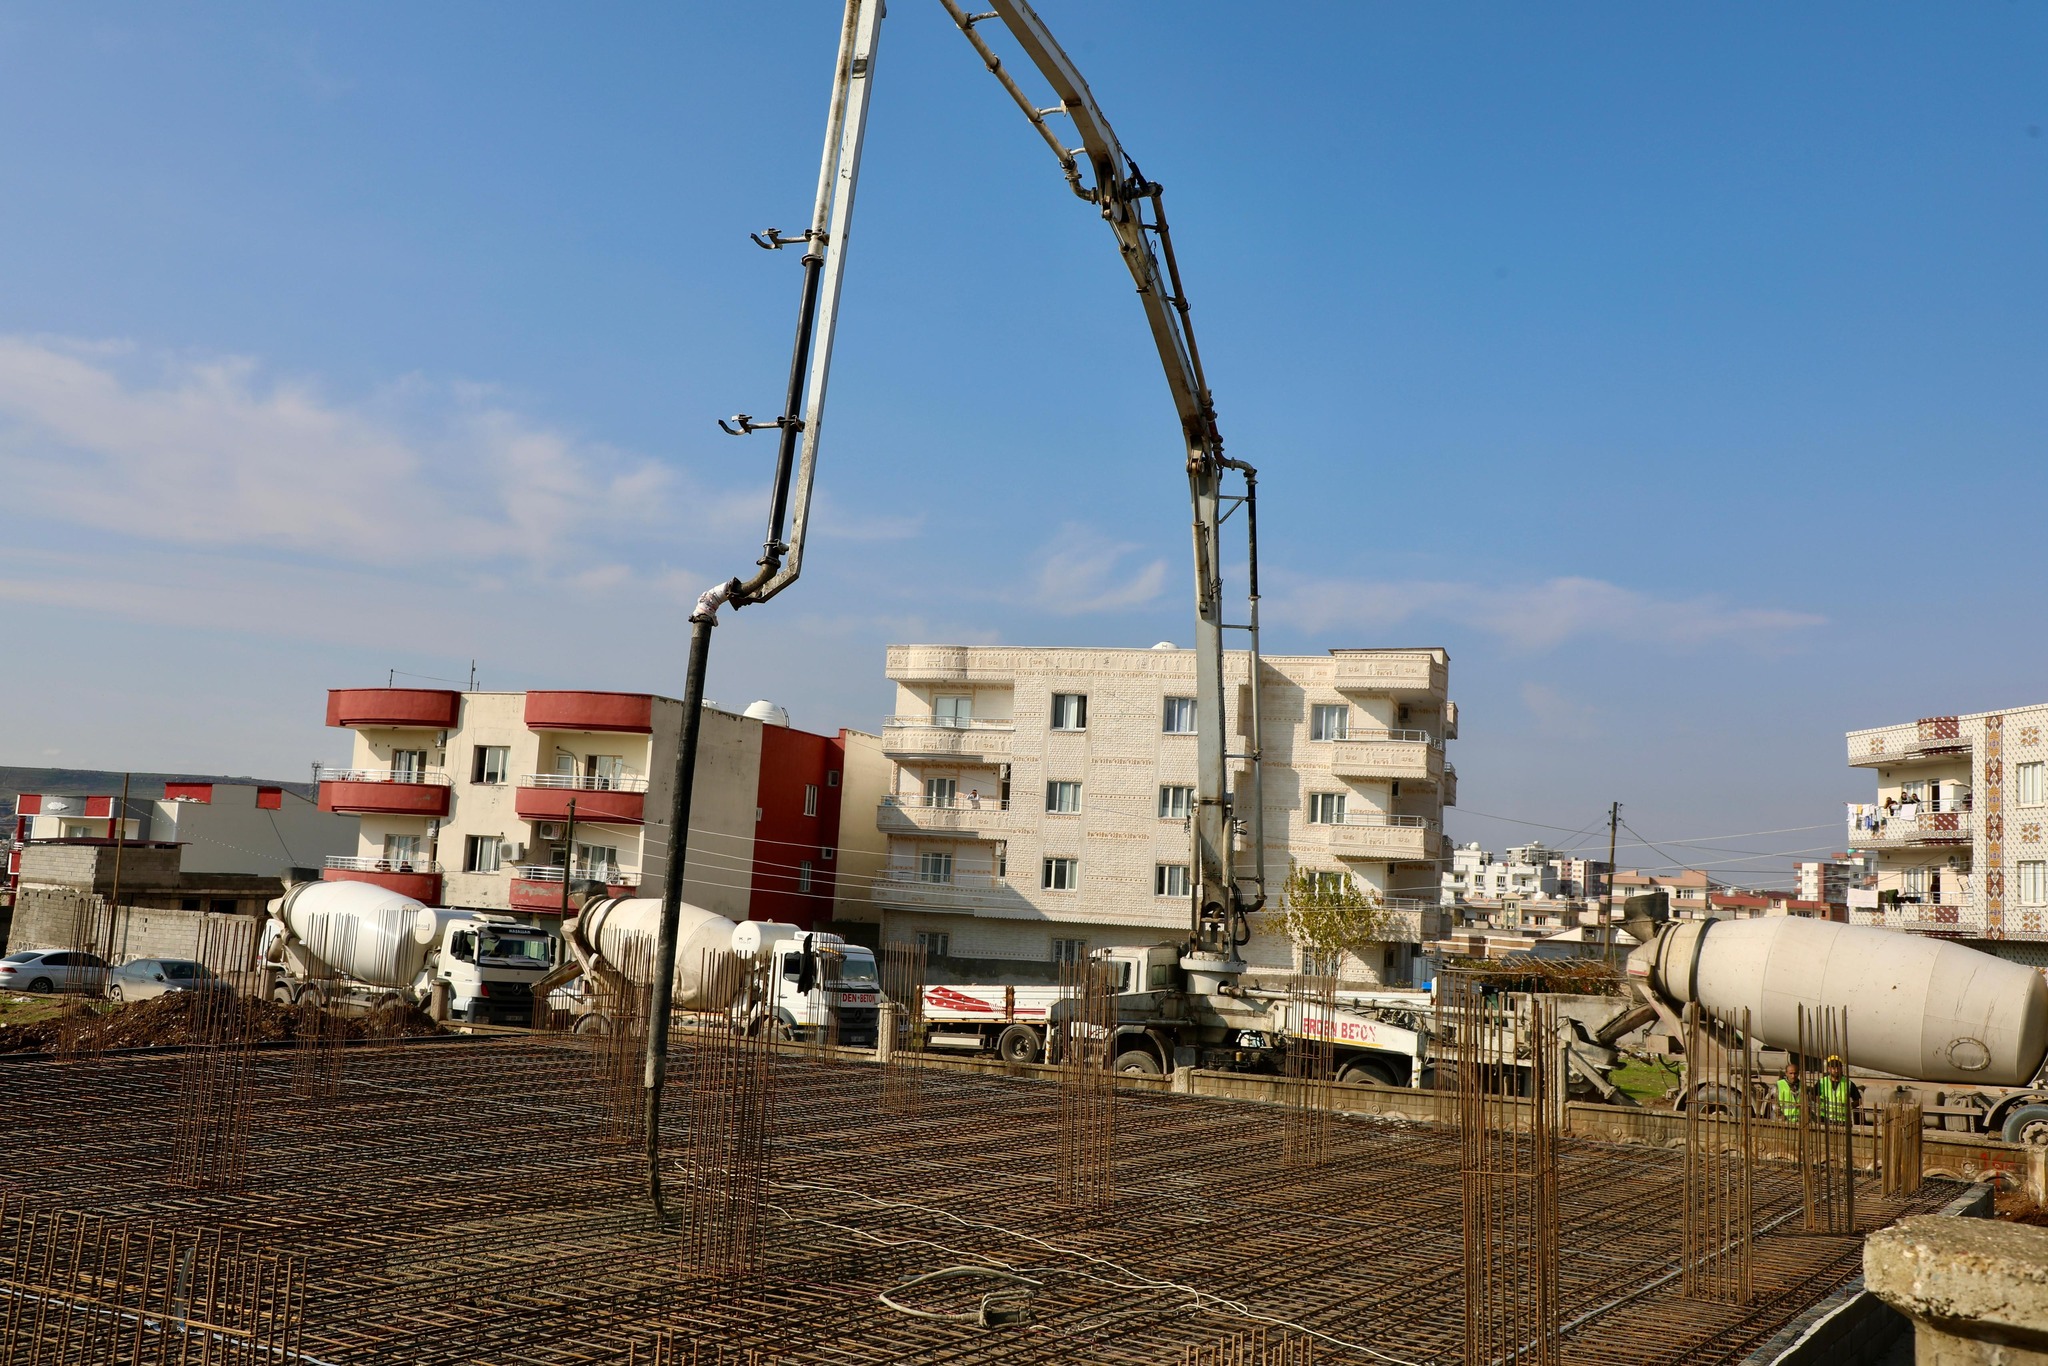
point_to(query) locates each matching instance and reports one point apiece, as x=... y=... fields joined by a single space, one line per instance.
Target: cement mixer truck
x=354 y=945
x=818 y=985
x=1965 y=1030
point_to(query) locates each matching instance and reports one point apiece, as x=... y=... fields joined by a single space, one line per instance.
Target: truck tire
x=282 y=994
x=1139 y=1062
x=2028 y=1124
x=1019 y=1043
x=1358 y=1073
x=593 y=1024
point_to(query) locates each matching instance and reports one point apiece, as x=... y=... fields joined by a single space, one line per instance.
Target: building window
x=1322 y=964
x=597 y=862
x=810 y=799
x=1069 y=711
x=1063 y=798
x=408 y=765
x=2033 y=882
x=935 y=943
x=401 y=849
x=1170 y=879
x=934 y=867
x=190 y=903
x=2033 y=783
x=1179 y=718
x=1915 y=882
x=1176 y=803
x=1326 y=808
x=1060 y=874
x=1329 y=882
x=489 y=763
x=828 y=853
x=1329 y=721
x=952 y=711
x=803 y=876
x=940 y=791
x=831 y=777
x=1069 y=950
x=480 y=854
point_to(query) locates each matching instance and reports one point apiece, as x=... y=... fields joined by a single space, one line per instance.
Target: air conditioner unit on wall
x=509 y=852
x=549 y=830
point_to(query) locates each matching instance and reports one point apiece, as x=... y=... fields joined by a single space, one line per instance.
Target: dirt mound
x=172 y=1019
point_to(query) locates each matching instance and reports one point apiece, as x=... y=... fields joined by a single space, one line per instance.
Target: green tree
x=1326 y=913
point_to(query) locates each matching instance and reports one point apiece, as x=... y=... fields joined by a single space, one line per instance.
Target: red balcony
x=417 y=879
x=539 y=889
x=606 y=801
x=393 y=708
x=630 y=713
x=380 y=792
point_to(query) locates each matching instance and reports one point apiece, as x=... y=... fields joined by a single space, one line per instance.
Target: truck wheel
x=593 y=1024
x=1139 y=1062
x=1019 y=1043
x=2028 y=1124
x=282 y=993
x=1359 y=1073
x=1715 y=1100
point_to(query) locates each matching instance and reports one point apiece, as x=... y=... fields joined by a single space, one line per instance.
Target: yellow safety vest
x=1833 y=1100
x=1788 y=1099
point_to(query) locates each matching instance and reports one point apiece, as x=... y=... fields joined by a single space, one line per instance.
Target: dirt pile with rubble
x=169 y=1020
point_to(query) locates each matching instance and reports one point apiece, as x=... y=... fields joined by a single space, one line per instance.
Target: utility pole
x=120 y=843
x=1607 y=901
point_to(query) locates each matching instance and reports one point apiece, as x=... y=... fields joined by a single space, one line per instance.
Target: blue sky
x=1683 y=371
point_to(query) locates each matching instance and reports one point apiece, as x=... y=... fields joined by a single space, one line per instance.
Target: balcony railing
x=915 y=802
x=352 y=863
x=1870 y=828
x=927 y=736
x=585 y=782
x=610 y=875
x=970 y=723
x=1407 y=736
x=429 y=777
x=1378 y=835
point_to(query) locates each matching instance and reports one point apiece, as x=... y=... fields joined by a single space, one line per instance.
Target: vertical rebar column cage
x=1827 y=1123
x=619 y=1006
x=1254 y=1348
x=321 y=1019
x=1899 y=1123
x=210 y=1133
x=903 y=974
x=1085 y=1027
x=731 y=1117
x=824 y=1039
x=1311 y=1067
x=1718 y=1212
x=1507 y=1081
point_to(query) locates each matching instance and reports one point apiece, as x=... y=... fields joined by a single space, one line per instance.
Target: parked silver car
x=52 y=970
x=146 y=977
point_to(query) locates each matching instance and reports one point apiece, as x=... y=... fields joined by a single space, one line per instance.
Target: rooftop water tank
x=767 y=713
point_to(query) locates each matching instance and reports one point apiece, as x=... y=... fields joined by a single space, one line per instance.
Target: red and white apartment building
x=495 y=800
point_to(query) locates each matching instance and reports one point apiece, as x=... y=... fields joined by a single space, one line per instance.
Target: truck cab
x=490 y=962
x=819 y=976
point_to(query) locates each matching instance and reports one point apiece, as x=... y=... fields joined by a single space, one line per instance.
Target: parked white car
x=146 y=977
x=53 y=970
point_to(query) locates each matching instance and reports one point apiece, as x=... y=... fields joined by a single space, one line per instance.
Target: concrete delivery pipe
x=1921 y=1008
x=622 y=931
x=362 y=931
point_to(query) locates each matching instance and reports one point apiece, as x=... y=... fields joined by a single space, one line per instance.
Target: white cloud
x=1556 y=715
x=213 y=453
x=1531 y=616
x=1079 y=572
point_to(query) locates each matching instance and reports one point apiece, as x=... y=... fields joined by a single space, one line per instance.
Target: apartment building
x=231 y=829
x=1038 y=804
x=503 y=800
x=1958 y=828
x=1831 y=879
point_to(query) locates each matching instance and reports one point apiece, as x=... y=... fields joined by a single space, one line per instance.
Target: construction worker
x=1835 y=1097
x=1788 y=1093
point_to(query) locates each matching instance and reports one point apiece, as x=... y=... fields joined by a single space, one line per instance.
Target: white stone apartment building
x=1959 y=828
x=1831 y=880
x=466 y=800
x=1039 y=798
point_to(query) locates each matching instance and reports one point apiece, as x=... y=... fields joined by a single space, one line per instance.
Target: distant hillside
x=95 y=782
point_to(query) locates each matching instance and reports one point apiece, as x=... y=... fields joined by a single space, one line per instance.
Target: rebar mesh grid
x=1827 y=1123
x=1253 y=1349
x=457 y=1203
x=82 y=1288
x=211 y=1147
x=666 y=1349
x=1504 y=1050
x=1086 y=1030
x=1720 y=1157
